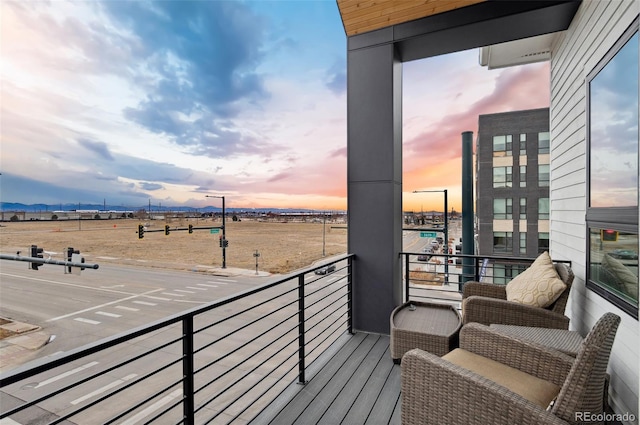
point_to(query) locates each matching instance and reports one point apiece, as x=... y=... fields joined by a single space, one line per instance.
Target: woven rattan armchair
x=435 y=390
x=487 y=303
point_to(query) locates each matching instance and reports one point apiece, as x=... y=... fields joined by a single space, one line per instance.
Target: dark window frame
x=616 y=218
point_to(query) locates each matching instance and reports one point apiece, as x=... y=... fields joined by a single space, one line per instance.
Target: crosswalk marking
x=208 y=286
x=199 y=289
x=104 y=313
x=103 y=389
x=182 y=290
x=89 y=321
x=171 y=294
x=155 y=406
x=121 y=307
x=144 y=303
x=65 y=374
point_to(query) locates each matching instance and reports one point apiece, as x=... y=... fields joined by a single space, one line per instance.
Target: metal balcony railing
x=441 y=277
x=217 y=363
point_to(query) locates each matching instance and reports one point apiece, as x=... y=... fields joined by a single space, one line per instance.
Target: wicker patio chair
x=517 y=382
x=487 y=303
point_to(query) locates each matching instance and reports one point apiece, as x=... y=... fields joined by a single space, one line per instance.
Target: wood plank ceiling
x=359 y=16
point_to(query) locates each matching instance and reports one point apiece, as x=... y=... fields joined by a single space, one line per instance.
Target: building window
x=612 y=179
x=543 y=208
x=523 y=176
x=523 y=243
x=503 y=242
x=543 y=175
x=504 y=273
x=502 y=176
x=523 y=208
x=502 y=145
x=543 y=242
x=523 y=144
x=503 y=209
x=543 y=143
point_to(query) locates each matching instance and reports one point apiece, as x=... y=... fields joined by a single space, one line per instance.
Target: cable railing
x=440 y=277
x=218 y=363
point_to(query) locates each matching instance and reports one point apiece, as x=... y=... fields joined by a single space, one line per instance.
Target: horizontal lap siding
x=595 y=28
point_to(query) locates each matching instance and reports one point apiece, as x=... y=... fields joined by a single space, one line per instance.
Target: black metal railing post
x=301 y=331
x=187 y=371
x=406 y=277
x=350 y=295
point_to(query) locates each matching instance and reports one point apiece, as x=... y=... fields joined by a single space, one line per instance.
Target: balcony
x=285 y=352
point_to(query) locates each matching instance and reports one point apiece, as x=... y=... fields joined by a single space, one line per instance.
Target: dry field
x=283 y=247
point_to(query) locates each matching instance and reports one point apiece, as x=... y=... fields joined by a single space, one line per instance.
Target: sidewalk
x=229 y=271
x=27 y=337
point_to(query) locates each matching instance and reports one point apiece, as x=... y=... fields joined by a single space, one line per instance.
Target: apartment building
x=512 y=171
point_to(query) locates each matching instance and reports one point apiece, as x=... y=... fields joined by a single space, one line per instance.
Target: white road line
x=216 y=282
x=199 y=289
x=208 y=286
x=103 y=389
x=182 y=290
x=64 y=375
x=171 y=294
x=8 y=421
x=155 y=406
x=121 y=307
x=89 y=321
x=67 y=284
x=227 y=280
x=144 y=303
x=157 y=298
x=104 y=313
x=102 y=305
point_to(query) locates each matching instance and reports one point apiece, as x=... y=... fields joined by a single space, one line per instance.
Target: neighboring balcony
x=281 y=353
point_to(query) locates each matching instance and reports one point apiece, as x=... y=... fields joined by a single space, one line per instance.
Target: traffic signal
x=70 y=252
x=166 y=229
x=225 y=243
x=221 y=244
x=191 y=228
x=36 y=253
x=140 y=231
x=608 y=235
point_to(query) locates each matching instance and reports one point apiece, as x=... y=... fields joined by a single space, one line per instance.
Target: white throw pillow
x=539 y=285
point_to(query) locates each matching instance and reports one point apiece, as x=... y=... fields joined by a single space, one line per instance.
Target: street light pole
x=446 y=230
x=224 y=234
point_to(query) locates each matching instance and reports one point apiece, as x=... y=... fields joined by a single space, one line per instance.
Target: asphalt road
x=79 y=309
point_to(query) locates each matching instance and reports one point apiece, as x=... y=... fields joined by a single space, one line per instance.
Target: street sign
x=215 y=231
x=428 y=234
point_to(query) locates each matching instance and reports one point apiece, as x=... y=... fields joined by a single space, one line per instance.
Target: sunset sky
x=131 y=102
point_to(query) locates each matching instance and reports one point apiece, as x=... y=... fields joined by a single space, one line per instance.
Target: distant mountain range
x=11 y=206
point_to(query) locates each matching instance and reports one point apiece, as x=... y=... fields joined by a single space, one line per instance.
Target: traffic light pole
x=224 y=238
x=223 y=242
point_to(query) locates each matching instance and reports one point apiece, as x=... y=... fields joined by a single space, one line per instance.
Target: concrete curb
x=28 y=337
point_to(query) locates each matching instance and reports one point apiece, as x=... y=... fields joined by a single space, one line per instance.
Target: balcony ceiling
x=517 y=52
x=360 y=16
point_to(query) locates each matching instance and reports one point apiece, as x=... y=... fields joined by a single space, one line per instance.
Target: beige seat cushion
x=534 y=389
x=539 y=285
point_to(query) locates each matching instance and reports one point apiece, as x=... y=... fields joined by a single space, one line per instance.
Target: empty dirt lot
x=283 y=246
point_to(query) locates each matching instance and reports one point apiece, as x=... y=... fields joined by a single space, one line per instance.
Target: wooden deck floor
x=354 y=382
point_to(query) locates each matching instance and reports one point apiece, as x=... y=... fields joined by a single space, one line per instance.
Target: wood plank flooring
x=354 y=382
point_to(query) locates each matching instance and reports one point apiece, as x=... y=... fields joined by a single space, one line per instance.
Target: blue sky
x=170 y=101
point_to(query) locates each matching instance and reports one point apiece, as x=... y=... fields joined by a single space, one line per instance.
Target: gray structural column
x=374 y=174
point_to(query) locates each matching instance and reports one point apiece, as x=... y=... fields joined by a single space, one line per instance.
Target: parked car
x=326 y=269
x=624 y=254
x=425 y=255
x=435 y=245
x=440 y=240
